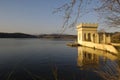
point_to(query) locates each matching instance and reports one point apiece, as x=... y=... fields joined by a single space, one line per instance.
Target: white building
x=88 y=32
x=89 y=36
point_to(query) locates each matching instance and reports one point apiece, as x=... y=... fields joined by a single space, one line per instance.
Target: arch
x=89 y=37
x=94 y=38
x=85 y=36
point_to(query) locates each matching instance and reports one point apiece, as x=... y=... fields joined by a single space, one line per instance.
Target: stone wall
x=105 y=47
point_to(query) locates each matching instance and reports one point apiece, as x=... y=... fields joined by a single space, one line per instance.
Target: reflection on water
x=35 y=59
x=99 y=61
x=89 y=56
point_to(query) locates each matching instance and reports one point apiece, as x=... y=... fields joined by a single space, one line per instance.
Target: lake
x=42 y=59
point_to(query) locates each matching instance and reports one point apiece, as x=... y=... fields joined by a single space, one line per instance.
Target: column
x=97 y=38
x=91 y=37
x=108 y=38
x=104 y=38
x=86 y=36
x=78 y=37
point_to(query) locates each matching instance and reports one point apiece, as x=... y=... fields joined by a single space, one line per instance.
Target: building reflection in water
x=102 y=61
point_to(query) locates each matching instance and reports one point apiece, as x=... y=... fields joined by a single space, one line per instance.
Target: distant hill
x=46 y=36
x=58 y=36
x=16 y=35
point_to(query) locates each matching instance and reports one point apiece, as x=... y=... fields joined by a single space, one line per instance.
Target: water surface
x=40 y=59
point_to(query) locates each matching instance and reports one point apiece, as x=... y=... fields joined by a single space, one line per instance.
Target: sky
x=34 y=17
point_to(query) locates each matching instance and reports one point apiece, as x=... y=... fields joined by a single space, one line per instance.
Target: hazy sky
x=34 y=16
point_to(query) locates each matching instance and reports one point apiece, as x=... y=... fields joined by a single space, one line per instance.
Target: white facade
x=88 y=32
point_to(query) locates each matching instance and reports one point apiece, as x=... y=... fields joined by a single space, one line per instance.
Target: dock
x=73 y=44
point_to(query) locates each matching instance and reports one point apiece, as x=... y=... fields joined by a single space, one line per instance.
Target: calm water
x=36 y=59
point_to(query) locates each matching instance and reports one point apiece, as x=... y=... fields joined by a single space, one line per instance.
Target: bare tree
x=73 y=10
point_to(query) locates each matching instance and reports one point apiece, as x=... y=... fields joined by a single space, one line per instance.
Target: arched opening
x=89 y=37
x=84 y=36
x=94 y=38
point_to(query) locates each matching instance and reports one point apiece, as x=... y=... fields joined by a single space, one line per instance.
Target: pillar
x=78 y=36
x=104 y=38
x=97 y=38
x=86 y=36
x=92 y=38
x=108 y=38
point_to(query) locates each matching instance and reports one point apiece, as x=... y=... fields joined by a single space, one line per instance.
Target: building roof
x=87 y=25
